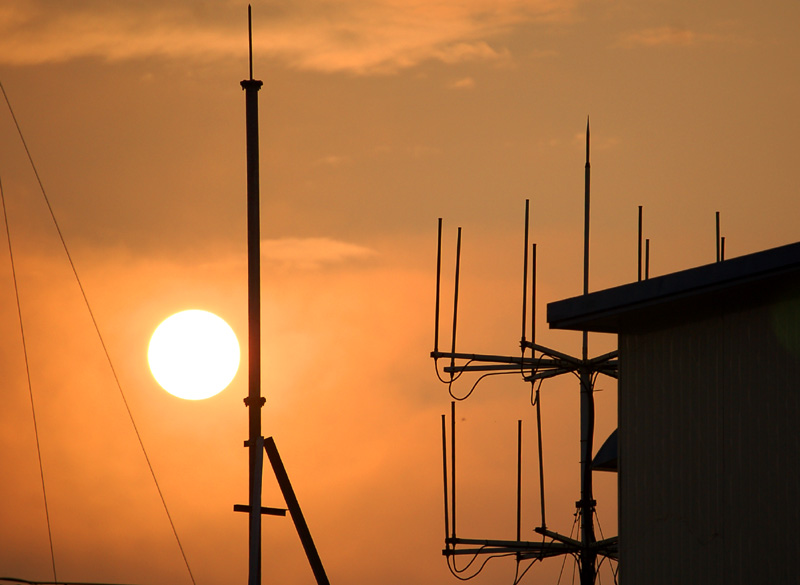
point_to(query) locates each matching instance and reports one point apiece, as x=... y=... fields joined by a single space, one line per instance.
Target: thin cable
x=97 y=330
x=604 y=557
x=564 y=562
x=474 y=386
x=453 y=378
x=518 y=576
x=30 y=386
x=455 y=572
x=27 y=582
x=600 y=528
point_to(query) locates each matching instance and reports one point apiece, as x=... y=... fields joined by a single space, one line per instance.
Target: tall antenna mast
x=254 y=400
x=257 y=445
x=587 y=502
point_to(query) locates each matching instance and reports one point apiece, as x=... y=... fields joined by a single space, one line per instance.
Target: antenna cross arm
x=607 y=357
x=608 y=547
x=527 y=364
x=559 y=537
x=541 y=375
x=493 y=547
x=264 y=510
x=610 y=369
x=477 y=357
x=552 y=353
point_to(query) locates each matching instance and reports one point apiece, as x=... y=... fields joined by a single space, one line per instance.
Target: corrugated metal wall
x=709 y=427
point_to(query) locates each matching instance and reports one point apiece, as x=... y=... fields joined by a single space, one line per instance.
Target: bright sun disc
x=193 y=354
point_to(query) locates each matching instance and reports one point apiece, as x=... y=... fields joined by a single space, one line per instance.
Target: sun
x=193 y=354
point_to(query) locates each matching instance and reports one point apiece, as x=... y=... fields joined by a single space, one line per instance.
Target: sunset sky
x=377 y=118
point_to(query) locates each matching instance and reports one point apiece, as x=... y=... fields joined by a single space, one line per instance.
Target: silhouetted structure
x=534 y=363
x=709 y=406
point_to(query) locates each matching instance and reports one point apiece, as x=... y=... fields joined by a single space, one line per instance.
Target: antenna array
x=535 y=363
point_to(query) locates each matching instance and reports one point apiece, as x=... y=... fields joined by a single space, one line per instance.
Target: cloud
x=380 y=36
x=332 y=160
x=463 y=83
x=310 y=253
x=660 y=36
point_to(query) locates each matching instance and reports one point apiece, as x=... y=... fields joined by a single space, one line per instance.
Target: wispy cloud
x=349 y=35
x=311 y=253
x=463 y=83
x=332 y=160
x=660 y=36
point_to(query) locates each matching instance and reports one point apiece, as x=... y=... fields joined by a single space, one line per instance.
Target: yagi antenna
x=534 y=369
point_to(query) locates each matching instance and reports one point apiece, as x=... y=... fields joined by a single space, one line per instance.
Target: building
x=709 y=419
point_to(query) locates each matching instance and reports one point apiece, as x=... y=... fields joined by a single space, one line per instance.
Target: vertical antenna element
x=587 y=189
x=250 y=36
x=453 y=464
x=587 y=175
x=718 y=241
x=525 y=277
x=647 y=259
x=444 y=468
x=722 y=249
x=438 y=289
x=455 y=301
x=640 y=244
x=541 y=462
x=519 y=480
x=533 y=296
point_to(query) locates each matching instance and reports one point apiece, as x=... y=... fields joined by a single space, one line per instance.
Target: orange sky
x=376 y=119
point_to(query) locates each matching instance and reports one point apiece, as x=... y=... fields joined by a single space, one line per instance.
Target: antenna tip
x=587 y=140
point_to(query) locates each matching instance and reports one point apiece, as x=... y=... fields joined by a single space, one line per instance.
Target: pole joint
x=248 y=401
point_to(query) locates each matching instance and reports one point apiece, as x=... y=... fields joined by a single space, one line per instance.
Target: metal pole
x=587 y=503
x=297 y=514
x=254 y=400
